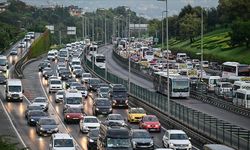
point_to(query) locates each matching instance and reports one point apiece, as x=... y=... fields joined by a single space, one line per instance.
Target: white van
x=181 y=57
x=3 y=63
x=62 y=141
x=55 y=84
x=73 y=98
x=14 y=90
x=242 y=98
x=211 y=82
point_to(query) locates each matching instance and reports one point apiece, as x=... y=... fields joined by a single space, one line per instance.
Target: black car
x=103 y=92
x=34 y=116
x=78 y=73
x=3 y=79
x=102 y=106
x=141 y=139
x=46 y=126
x=32 y=107
x=13 y=51
x=48 y=74
x=43 y=65
x=92 y=139
x=69 y=81
x=94 y=84
x=65 y=74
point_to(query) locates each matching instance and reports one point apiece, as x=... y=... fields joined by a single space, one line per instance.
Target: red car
x=150 y=123
x=73 y=114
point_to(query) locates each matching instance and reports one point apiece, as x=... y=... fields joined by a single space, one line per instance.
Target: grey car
x=141 y=139
x=46 y=126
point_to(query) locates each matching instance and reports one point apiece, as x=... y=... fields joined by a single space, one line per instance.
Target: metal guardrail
x=220 y=103
x=205 y=128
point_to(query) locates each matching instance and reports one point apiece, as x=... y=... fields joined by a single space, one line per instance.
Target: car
x=21 y=45
x=46 y=126
x=88 y=123
x=73 y=114
x=75 y=67
x=3 y=79
x=116 y=118
x=69 y=82
x=34 y=116
x=31 y=34
x=85 y=77
x=92 y=139
x=150 y=123
x=42 y=65
x=82 y=89
x=78 y=73
x=14 y=51
x=65 y=74
x=42 y=101
x=59 y=96
x=93 y=84
x=47 y=72
x=55 y=85
x=31 y=107
x=141 y=139
x=51 y=55
x=102 y=106
x=136 y=114
x=103 y=92
x=62 y=141
x=176 y=139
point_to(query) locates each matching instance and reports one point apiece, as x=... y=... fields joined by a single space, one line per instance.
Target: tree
x=189 y=26
x=240 y=33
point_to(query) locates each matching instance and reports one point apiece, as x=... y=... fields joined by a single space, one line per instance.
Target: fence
x=216 y=129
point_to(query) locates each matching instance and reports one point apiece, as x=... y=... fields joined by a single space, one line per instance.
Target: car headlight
x=190 y=145
x=151 y=142
x=41 y=128
x=97 y=109
x=126 y=101
x=114 y=101
x=32 y=120
x=110 y=109
x=171 y=145
x=56 y=129
x=90 y=140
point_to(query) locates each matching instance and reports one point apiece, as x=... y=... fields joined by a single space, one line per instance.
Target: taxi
x=136 y=114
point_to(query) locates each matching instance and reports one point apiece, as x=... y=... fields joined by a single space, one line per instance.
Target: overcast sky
x=146 y=8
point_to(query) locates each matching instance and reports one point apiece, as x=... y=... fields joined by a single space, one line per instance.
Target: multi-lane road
x=211 y=110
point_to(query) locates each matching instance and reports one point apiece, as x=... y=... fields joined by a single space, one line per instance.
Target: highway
x=216 y=112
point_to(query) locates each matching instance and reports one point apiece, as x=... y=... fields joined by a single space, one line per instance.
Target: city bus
x=240 y=85
x=149 y=55
x=179 y=85
x=242 y=98
x=216 y=147
x=235 y=69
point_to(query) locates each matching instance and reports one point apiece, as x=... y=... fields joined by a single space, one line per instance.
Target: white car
x=51 y=55
x=59 y=96
x=55 y=85
x=116 y=118
x=86 y=77
x=62 y=141
x=42 y=101
x=88 y=123
x=176 y=139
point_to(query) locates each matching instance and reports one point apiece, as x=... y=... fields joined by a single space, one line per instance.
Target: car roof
x=90 y=117
x=61 y=136
x=175 y=131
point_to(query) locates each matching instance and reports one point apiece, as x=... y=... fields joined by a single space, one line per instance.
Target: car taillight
x=148 y=126
x=157 y=126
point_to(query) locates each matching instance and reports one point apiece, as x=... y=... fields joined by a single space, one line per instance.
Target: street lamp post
x=162 y=33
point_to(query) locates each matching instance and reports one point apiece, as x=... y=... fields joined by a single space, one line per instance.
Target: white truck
x=14 y=90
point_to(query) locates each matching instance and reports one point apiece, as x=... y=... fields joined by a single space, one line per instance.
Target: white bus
x=216 y=147
x=73 y=98
x=93 y=49
x=235 y=69
x=242 y=98
x=179 y=85
x=99 y=60
x=211 y=82
x=149 y=55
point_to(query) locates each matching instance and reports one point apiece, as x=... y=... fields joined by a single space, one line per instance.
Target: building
x=3 y=5
x=75 y=11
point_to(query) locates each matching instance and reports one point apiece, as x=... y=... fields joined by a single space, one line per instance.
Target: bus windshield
x=180 y=86
x=3 y=62
x=243 y=71
x=100 y=59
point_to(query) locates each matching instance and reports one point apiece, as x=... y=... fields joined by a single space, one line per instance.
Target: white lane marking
x=13 y=126
x=51 y=106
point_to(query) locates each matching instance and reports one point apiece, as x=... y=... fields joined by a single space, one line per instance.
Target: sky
x=146 y=8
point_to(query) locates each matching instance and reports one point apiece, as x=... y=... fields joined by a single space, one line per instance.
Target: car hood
x=152 y=123
x=183 y=142
x=119 y=121
x=137 y=115
x=103 y=107
x=92 y=124
x=141 y=140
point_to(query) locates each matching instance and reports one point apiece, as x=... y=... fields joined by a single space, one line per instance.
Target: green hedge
x=40 y=45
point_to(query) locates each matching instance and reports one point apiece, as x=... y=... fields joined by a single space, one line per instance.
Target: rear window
x=63 y=143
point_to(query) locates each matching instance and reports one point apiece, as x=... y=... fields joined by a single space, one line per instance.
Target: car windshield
x=103 y=102
x=141 y=134
x=178 y=136
x=35 y=108
x=37 y=113
x=91 y=120
x=86 y=75
x=138 y=111
x=55 y=82
x=118 y=142
x=104 y=90
x=3 y=62
x=40 y=100
x=15 y=88
x=94 y=81
x=81 y=88
x=226 y=85
x=150 y=119
x=63 y=143
x=74 y=100
x=118 y=94
x=115 y=117
x=74 y=110
x=94 y=133
x=47 y=122
x=60 y=92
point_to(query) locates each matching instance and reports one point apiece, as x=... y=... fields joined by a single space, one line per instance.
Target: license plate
x=152 y=129
x=75 y=118
x=49 y=132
